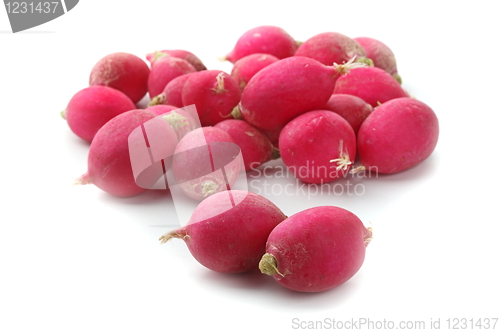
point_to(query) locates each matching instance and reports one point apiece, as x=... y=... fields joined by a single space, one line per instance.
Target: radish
x=206 y=161
x=289 y=87
x=318 y=146
x=273 y=136
x=172 y=93
x=397 y=135
x=332 y=47
x=227 y=232
x=90 y=108
x=263 y=39
x=182 y=54
x=245 y=68
x=381 y=55
x=256 y=148
x=164 y=71
x=110 y=159
x=122 y=71
x=374 y=85
x=316 y=249
x=181 y=119
x=351 y=108
x=214 y=93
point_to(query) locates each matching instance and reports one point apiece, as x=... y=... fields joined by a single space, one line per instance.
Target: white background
x=74 y=259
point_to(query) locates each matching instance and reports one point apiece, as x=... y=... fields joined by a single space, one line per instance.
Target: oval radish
x=182 y=54
x=351 y=108
x=165 y=70
x=245 y=68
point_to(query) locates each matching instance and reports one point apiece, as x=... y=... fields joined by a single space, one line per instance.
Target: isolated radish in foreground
x=263 y=39
x=316 y=249
x=332 y=47
x=165 y=70
x=109 y=161
x=289 y=87
x=206 y=161
x=227 y=232
x=90 y=108
x=245 y=68
x=381 y=55
x=351 y=108
x=122 y=71
x=255 y=146
x=374 y=85
x=318 y=146
x=214 y=93
x=397 y=135
x=182 y=54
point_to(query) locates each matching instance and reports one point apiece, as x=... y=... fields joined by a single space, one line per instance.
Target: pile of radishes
x=329 y=106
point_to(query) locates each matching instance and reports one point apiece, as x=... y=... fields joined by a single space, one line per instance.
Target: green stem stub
x=268 y=265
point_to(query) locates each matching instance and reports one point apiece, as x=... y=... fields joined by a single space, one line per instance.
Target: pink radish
x=263 y=39
x=374 y=85
x=283 y=90
x=273 y=136
x=381 y=55
x=398 y=135
x=109 y=159
x=122 y=71
x=245 y=68
x=165 y=70
x=351 y=108
x=214 y=93
x=90 y=108
x=332 y=47
x=227 y=232
x=182 y=54
x=316 y=249
x=181 y=120
x=318 y=146
x=255 y=146
x=206 y=162
x=172 y=93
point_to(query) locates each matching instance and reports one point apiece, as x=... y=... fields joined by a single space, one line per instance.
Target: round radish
x=214 y=93
x=316 y=249
x=374 y=85
x=206 y=162
x=180 y=119
x=109 y=159
x=90 y=108
x=256 y=148
x=182 y=54
x=245 y=68
x=122 y=71
x=318 y=146
x=381 y=55
x=172 y=93
x=351 y=108
x=332 y=47
x=289 y=87
x=227 y=232
x=164 y=71
x=397 y=135
x=264 y=39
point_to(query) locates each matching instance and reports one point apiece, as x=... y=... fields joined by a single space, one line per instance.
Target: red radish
x=206 y=161
x=227 y=232
x=182 y=54
x=332 y=47
x=90 y=108
x=245 y=68
x=273 y=136
x=215 y=94
x=316 y=249
x=318 y=146
x=374 y=85
x=381 y=55
x=256 y=148
x=181 y=120
x=109 y=159
x=122 y=71
x=165 y=70
x=398 y=135
x=172 y=93
x=263 y=39
x=351 y=108
x=288 y=88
